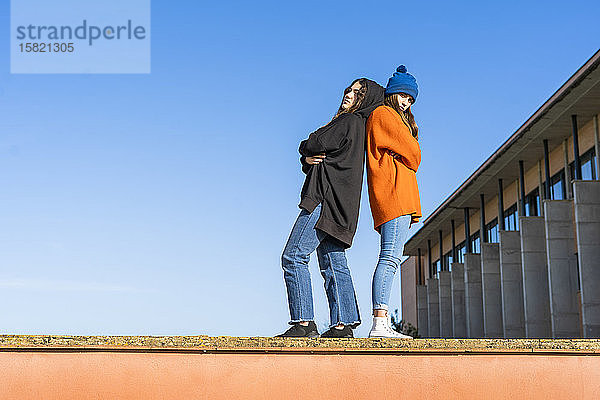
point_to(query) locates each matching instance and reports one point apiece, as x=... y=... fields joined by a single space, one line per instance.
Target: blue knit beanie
x=402 y=82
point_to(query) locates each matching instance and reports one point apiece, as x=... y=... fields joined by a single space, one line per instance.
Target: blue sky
x=159 y=204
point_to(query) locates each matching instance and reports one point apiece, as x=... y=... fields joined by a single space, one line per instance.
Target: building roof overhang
x=580 y=96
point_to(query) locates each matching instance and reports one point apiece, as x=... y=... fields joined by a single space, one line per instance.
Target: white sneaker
x=381 y=328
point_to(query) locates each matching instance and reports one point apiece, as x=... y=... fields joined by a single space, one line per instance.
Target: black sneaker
x=338 y=333
x=298 y=330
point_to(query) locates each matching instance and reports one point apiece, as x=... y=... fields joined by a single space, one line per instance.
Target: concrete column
x=422 y=319
x=433 y=308
x=567 y=170
x=473 y=297
x=490 y=288
x=511 y=283
x=445 y=299
x=457 y=288
x=586 y=196
x=562 y=268
x=597 y=145
x=536 y=299
x=540 y=187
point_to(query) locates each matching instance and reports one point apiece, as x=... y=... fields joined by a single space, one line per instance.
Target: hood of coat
x=373 y=99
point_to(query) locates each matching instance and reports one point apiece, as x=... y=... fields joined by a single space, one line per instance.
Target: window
x=475 y=243
x=532 y=203
x=510 y=219
x=448 y=261
x=435 y=267
x=492 y=231
x=588 y=166
x=460 y=252
x=557 y=187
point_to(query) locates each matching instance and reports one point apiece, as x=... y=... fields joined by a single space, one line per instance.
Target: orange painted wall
x=149 y=376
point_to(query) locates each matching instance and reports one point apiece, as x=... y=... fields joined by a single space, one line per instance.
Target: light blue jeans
x=304 y=240
x=393 y=236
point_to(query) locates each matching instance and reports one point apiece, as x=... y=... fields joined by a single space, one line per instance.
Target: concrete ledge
x=225 y=368
x=206 y=344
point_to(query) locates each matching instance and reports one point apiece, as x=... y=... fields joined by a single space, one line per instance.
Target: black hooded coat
x=336 y=183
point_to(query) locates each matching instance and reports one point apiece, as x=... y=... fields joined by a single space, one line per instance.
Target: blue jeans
x=393 y=236
x=304 y=240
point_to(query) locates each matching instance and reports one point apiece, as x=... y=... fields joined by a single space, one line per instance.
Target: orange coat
x=392 y=178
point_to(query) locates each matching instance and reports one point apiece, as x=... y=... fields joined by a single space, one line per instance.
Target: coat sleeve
x=387 y=134
x=328 y=138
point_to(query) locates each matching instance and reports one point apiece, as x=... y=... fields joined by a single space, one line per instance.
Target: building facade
x=515 y=250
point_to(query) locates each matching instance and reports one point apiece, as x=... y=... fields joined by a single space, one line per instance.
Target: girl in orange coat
x=393 y=157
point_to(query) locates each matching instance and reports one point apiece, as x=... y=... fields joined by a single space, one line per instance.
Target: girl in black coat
x=333 y=160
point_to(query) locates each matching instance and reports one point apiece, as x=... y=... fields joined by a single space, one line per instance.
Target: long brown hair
x=358 y=98
x=391 y=100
